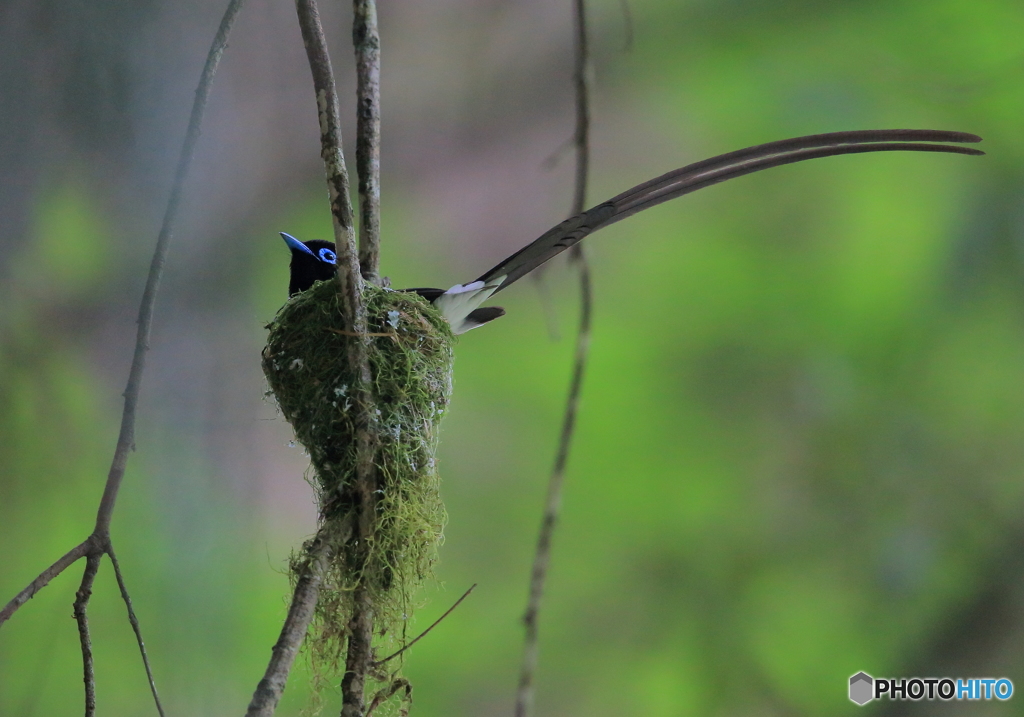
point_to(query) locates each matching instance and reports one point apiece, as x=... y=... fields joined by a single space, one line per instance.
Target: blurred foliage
x=799 y=454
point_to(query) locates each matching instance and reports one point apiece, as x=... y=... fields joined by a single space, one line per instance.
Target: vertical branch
x=329 y=117
x=581 y=138
x=366 y=41
x=553 y=502
x=359 y=659
x=92 y=566
x=360 y=633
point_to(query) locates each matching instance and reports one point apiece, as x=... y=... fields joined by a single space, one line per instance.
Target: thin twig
x=434 y=624
x=553 y=502
x=98 y=542
x=366 y=41
x=126 y=439
x=307 y=590
x=82 y=549
x=387 y=693
x=388 y=334
x=92 y=566
x=364 y=488
x=136 y=627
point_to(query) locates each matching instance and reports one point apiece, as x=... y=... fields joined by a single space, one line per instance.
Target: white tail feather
x=457 y=303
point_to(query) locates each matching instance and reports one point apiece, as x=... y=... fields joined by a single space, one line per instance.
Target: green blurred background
x=799 y=454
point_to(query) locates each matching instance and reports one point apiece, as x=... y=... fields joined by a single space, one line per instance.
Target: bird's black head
x=312 y=261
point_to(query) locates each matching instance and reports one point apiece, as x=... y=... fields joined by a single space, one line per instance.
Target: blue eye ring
x=327 y=256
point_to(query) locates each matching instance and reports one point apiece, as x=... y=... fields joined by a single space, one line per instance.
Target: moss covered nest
x=410 y=353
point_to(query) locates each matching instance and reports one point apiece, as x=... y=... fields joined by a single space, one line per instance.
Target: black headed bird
x=315 y=260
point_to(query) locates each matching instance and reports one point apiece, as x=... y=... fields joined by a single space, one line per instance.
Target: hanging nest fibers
x=410 y=354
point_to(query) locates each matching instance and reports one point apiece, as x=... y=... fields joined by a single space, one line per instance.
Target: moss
x=410 y=355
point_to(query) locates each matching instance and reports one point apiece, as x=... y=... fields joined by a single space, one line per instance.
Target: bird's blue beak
x=295 y=245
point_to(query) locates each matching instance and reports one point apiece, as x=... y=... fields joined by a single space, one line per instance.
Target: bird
x=316 y=260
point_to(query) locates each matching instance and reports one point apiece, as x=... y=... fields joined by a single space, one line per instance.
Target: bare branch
x=553 y=502
x=582 y=136
x=434 y=624
x=329 y=116
x=307 y=590
x=81 y=550
x=92 y=566
x=136 y=627
x=349 y=278
x=364 y=488
x=360 y=655
x=98 y=543
x=126 y=438
x=366 y=41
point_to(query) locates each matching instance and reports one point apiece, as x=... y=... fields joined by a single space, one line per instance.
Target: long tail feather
x=712 y=171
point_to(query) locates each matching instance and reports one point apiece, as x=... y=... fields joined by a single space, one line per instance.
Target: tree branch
x=99 y=543
x=84 y=548
x=423 y=634
x=307 y=590
x=580 y=83
x=359 y=659
x=553 y=502
x=126 y=438
x=364 y=490
x=136 y=628
x=366 y=41
x=329 y=117
x=92 y=566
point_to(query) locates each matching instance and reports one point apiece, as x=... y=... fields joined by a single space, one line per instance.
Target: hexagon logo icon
x=861 y=688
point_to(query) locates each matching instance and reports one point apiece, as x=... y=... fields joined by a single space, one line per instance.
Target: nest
x=410 y=354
